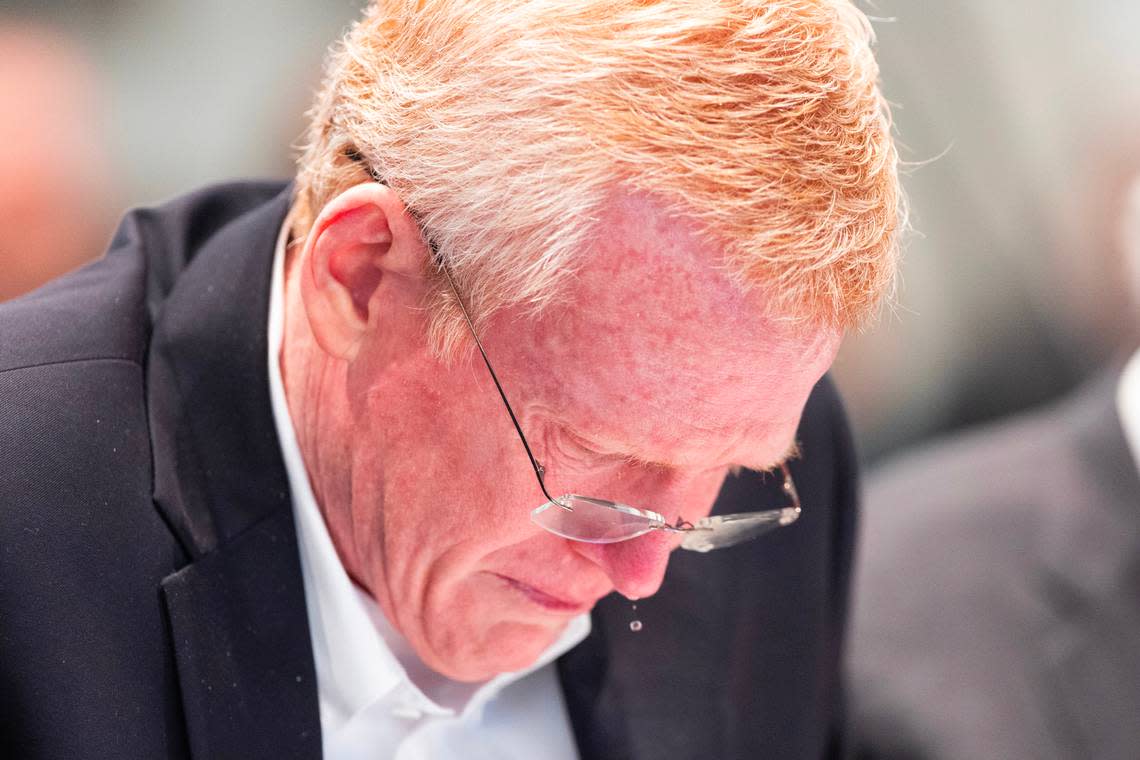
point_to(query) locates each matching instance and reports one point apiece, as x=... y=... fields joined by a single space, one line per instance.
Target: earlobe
x=359 y=239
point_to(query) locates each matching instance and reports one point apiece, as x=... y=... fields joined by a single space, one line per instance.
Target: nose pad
x=635 y=567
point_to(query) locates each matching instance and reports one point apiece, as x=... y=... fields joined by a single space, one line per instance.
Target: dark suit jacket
x=151 y=602
x=997 y=610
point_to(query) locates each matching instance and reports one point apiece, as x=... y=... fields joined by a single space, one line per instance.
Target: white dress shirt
x=377 y=699
x=1128 y=404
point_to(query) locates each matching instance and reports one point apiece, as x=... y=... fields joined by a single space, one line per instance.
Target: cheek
x=453 y=486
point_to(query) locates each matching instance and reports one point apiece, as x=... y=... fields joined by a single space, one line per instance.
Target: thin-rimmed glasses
x=599 y=521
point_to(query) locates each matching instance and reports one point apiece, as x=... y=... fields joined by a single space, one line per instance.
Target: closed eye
x=588 y=453
x=577 y=450
x=567 y=450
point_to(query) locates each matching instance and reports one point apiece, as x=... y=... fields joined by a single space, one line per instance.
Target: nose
x=635 y=567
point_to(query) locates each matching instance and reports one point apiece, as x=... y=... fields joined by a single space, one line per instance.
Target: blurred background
x=1019 y=121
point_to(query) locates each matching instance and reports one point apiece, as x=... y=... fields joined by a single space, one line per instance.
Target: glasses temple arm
x=354 y=155
x=539 y=471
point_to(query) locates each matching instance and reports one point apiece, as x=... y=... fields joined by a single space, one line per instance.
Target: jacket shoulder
x=105 y=310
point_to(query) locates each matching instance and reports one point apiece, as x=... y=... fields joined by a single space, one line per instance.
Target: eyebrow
x=591 y=443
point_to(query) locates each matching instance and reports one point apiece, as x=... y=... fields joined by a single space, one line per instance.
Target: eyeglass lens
x=595 y=521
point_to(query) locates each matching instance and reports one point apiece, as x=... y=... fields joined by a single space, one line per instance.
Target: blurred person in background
x=261 y=491
x=54 y=156
x=997 y=598
x=1019 y=157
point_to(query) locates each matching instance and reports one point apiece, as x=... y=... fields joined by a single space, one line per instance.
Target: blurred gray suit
x=997 y=606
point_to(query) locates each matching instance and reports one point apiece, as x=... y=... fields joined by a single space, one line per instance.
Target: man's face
x=645 y=384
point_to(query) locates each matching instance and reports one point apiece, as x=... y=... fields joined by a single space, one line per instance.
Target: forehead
x=656 y=352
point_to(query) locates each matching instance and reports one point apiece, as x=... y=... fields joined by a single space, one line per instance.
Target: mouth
x=546 y=601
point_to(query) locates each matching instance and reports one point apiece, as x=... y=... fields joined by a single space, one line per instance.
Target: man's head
x=663 y=215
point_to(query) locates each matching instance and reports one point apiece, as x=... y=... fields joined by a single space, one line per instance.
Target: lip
x=545 y=600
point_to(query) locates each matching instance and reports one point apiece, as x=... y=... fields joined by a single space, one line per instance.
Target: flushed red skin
x=656 y=376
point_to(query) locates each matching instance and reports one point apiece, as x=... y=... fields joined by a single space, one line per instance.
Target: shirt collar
x=359 y=657
x=1128 y=405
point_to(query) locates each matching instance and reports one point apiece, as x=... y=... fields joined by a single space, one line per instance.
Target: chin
x=501 y=648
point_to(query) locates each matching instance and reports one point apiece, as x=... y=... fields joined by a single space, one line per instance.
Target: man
x=264 y=504
x=998 y=598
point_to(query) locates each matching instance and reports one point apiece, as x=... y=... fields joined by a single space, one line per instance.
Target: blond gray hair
x=505 y=126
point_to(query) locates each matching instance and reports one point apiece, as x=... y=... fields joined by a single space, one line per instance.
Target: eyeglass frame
x=783 y=517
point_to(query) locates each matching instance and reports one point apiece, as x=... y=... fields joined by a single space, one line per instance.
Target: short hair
x=505 y=126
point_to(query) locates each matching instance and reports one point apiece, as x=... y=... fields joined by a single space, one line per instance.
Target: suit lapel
x=218 y=466
x=237 y=611
x=245 y=664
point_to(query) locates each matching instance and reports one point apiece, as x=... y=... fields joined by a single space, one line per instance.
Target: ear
x=362 y=240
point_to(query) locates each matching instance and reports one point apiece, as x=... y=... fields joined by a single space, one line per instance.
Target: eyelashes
x=571 y=453
x=567 y=449
x=578 y=453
